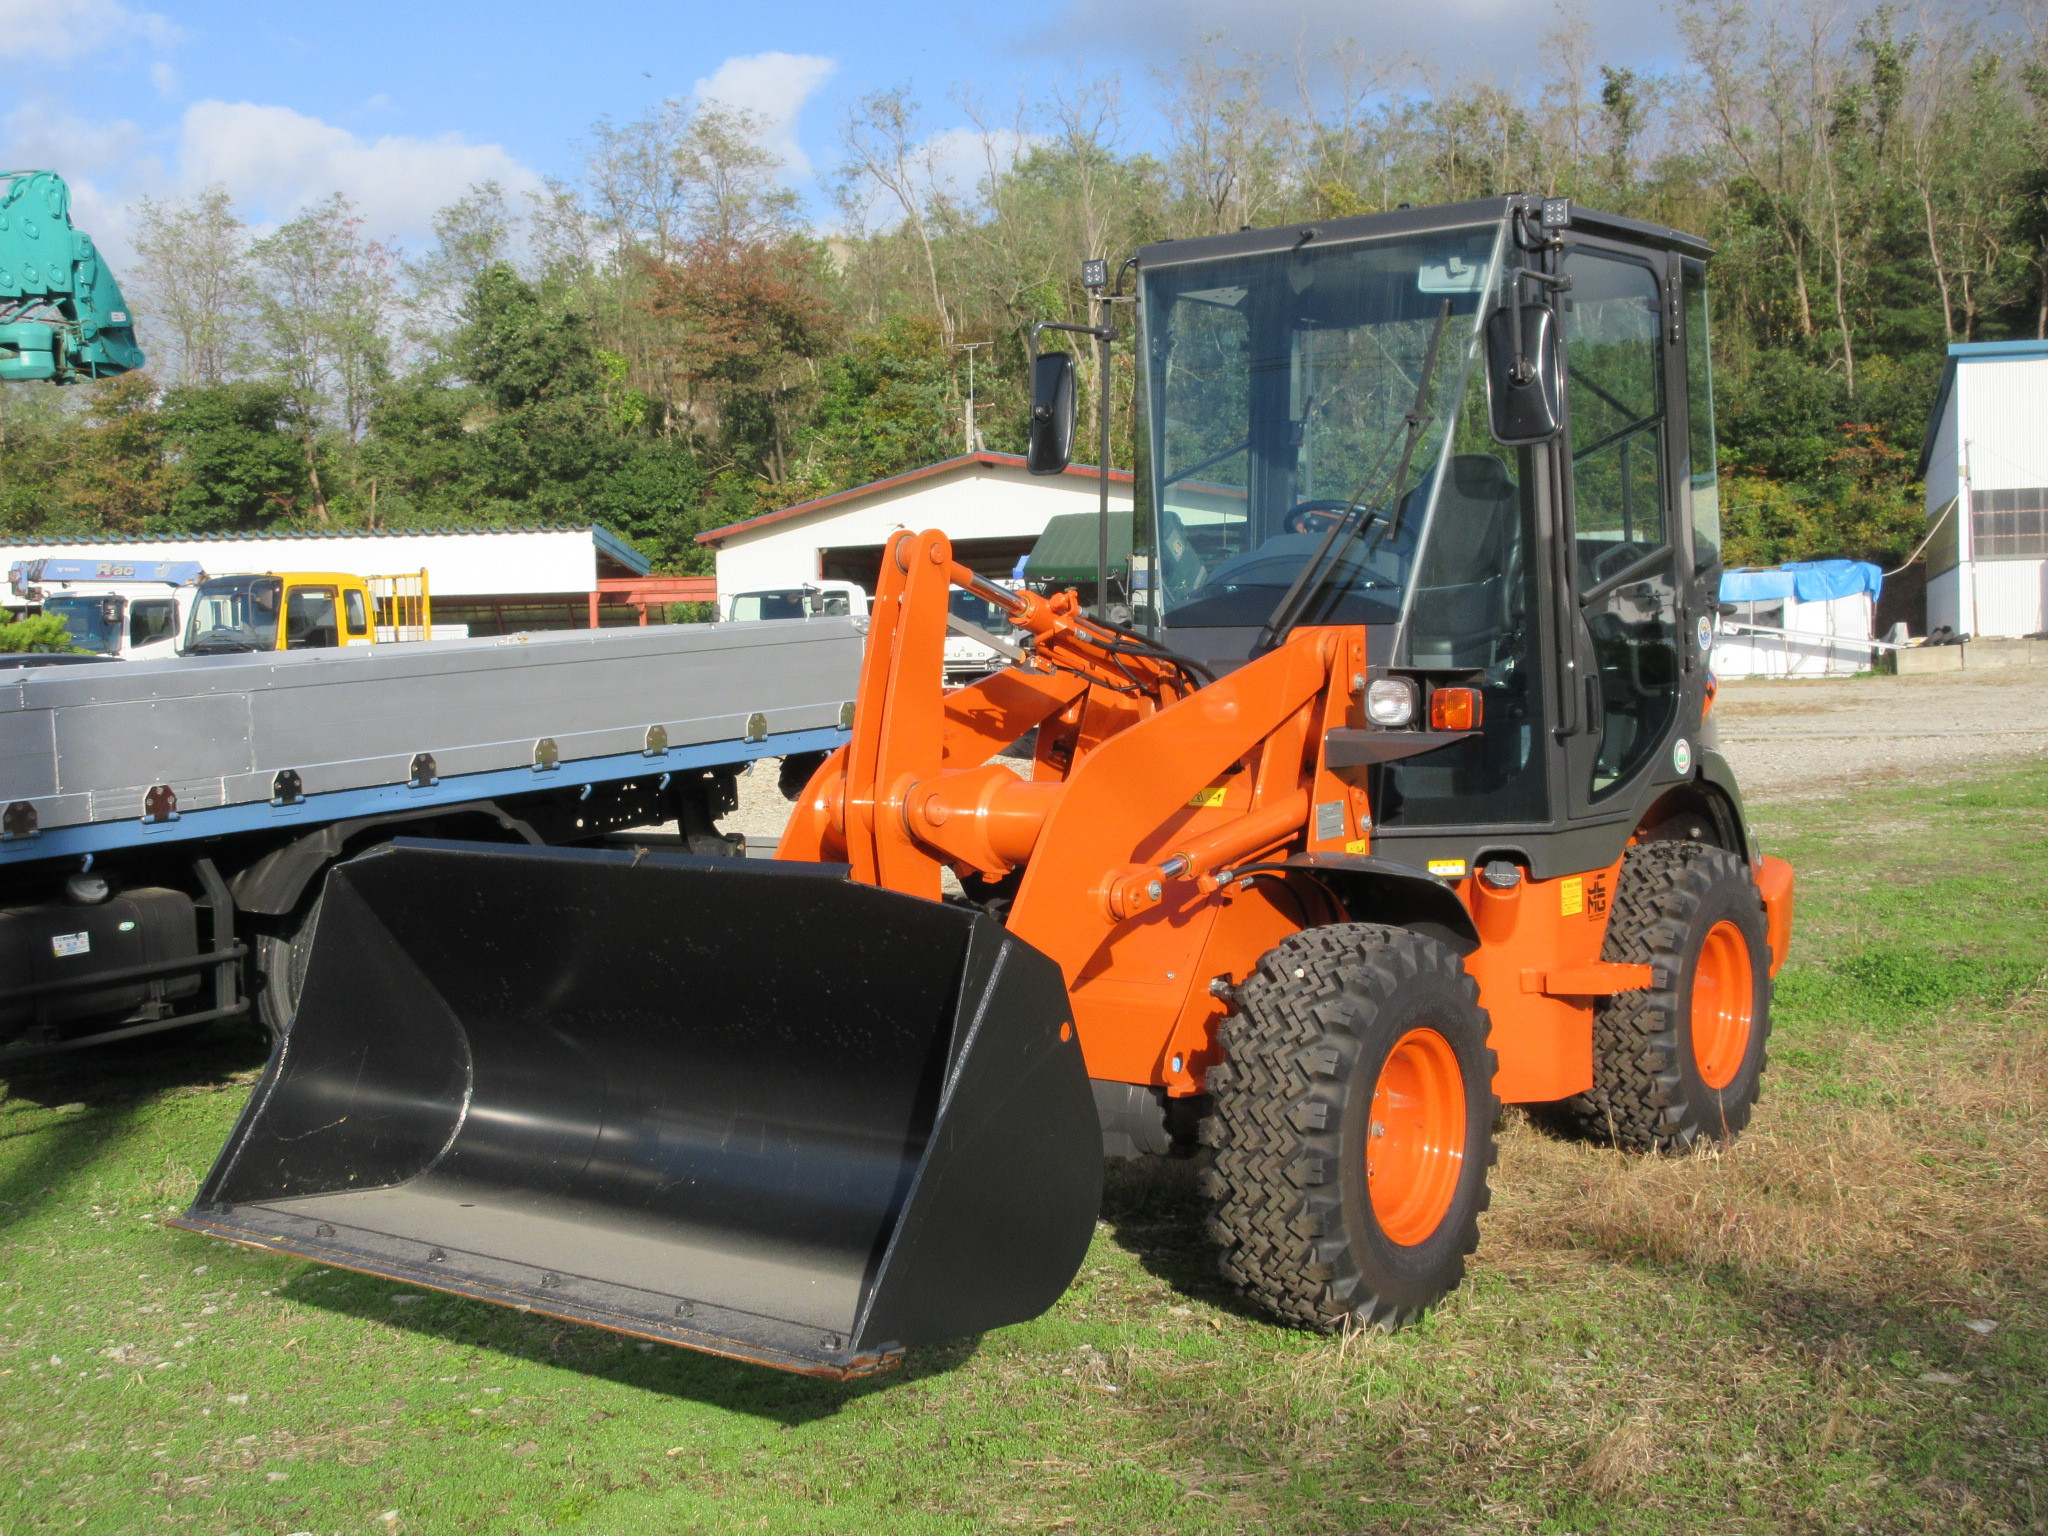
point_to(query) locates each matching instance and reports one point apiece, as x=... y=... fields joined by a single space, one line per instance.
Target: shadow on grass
x=111 y=1086
x=733 y=1385
x=1155 y=1209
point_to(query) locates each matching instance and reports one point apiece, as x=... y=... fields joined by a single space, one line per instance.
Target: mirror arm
x=1099 y=332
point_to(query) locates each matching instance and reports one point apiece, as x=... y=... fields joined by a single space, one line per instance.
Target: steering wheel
x=1315 y=515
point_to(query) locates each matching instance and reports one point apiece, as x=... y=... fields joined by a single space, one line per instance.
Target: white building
x=986 y=503
x=495 y=580
x=1986 y=467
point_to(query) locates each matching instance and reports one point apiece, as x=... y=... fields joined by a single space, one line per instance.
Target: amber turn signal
x=1455 y=709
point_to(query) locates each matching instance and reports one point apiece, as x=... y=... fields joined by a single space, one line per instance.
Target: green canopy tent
x=1065 y=553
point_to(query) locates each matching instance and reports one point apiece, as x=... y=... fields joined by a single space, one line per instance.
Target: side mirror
x=1521 y=381
x=1052 y=413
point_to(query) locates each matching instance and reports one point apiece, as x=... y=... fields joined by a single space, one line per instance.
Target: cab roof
x=1407 y=221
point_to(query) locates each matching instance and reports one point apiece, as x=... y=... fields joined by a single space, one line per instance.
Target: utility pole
x=972 y=428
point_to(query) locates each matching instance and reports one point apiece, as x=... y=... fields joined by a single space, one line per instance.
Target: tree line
x=665 y=344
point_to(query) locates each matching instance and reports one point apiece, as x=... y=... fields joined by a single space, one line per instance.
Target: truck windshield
x=788 y=603
x=94 y=622
x=234 y=613
x=978 y=611
x=1276 y=385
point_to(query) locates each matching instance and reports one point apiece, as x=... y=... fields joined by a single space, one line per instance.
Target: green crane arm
x=62 y=317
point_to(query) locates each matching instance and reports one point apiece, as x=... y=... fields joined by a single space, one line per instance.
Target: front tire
x=1352 y=1128
x=1683 y=1061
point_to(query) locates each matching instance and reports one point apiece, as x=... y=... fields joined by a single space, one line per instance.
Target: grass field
x=1839 y=1326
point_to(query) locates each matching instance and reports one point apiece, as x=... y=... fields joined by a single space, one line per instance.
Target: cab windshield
x=789 y=603
x=94 y=622
x=234 y=613
x=1278 y=391
x=978 y=611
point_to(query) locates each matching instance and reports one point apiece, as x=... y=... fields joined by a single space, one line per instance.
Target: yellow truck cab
x=279 y=611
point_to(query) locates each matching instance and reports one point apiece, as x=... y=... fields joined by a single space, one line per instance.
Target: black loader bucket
x=744 y=1106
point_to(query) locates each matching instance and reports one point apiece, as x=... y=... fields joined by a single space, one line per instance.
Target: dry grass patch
x=1928 y=1186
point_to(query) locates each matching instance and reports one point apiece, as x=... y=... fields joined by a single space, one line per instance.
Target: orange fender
x=1774 y=884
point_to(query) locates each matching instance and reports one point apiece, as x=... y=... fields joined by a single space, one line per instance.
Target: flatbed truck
x=166 y=826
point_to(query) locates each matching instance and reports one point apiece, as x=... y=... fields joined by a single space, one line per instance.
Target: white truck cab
x=967 y=659
x=133 y=609
x=812 y=600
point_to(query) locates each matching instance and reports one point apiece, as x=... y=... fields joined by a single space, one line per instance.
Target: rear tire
x=1683 y=1061
x=1353 y=1127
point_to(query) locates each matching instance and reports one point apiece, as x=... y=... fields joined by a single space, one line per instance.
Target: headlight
x=1390 y=701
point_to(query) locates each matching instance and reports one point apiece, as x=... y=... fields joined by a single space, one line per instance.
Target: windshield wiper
x=1315 y=575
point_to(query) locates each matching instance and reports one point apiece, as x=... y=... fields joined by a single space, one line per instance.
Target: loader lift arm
x=1146 y=792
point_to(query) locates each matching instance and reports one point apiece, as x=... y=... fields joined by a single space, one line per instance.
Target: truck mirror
x=1052 y=413
x=1521 y=374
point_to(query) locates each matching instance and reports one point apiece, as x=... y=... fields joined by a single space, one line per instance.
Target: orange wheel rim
x=1723 y=1000
x=1415 y=1143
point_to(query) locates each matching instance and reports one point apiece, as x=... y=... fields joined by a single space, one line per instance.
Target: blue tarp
x=1805 y=581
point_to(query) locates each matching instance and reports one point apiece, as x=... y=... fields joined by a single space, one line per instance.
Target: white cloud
x=70 y=29
x=1458 y=37
x=41 y=134
x=165 y=79
x=774 y=87
x=276 y=161
x=960 y=158
x=273 y=161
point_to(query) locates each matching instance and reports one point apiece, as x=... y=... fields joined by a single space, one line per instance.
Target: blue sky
x=402 y=106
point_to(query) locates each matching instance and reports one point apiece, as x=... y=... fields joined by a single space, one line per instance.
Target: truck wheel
x=1353 y=1127
x=281 y=965
x=1683 y=1061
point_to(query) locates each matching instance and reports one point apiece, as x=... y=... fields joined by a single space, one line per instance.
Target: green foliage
x=664 y=348
x=889 y=403
x=41 y=632
x=237 y=464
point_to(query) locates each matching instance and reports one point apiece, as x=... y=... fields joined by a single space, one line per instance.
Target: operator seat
x=1470 y=567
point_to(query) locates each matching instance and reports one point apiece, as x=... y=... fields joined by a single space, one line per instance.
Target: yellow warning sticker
x=1450 y=869
x=1571 y=896
x=1358 y=845
x=1212 y=796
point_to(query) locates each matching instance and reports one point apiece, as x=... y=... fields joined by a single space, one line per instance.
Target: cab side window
x=151 y=619
x=309 y=620
x=358 y=613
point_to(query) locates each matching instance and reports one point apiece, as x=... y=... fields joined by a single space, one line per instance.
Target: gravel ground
x=1814 y=739
x=1787 y=740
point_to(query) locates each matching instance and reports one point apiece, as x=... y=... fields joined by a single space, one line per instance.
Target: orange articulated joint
x=986 y=817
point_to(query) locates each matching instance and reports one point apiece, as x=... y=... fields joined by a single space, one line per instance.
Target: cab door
x=1623 y=536
x=355 y=616
x=311 y=619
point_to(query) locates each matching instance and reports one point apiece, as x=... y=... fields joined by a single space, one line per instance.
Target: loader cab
x=1566 y=573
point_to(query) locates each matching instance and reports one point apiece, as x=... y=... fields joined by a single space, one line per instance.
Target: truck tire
x=280 y=958
x=1682 y=1061
x=1352 y=1127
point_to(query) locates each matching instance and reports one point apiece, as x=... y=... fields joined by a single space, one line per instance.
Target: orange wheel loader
x=1382 y=791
